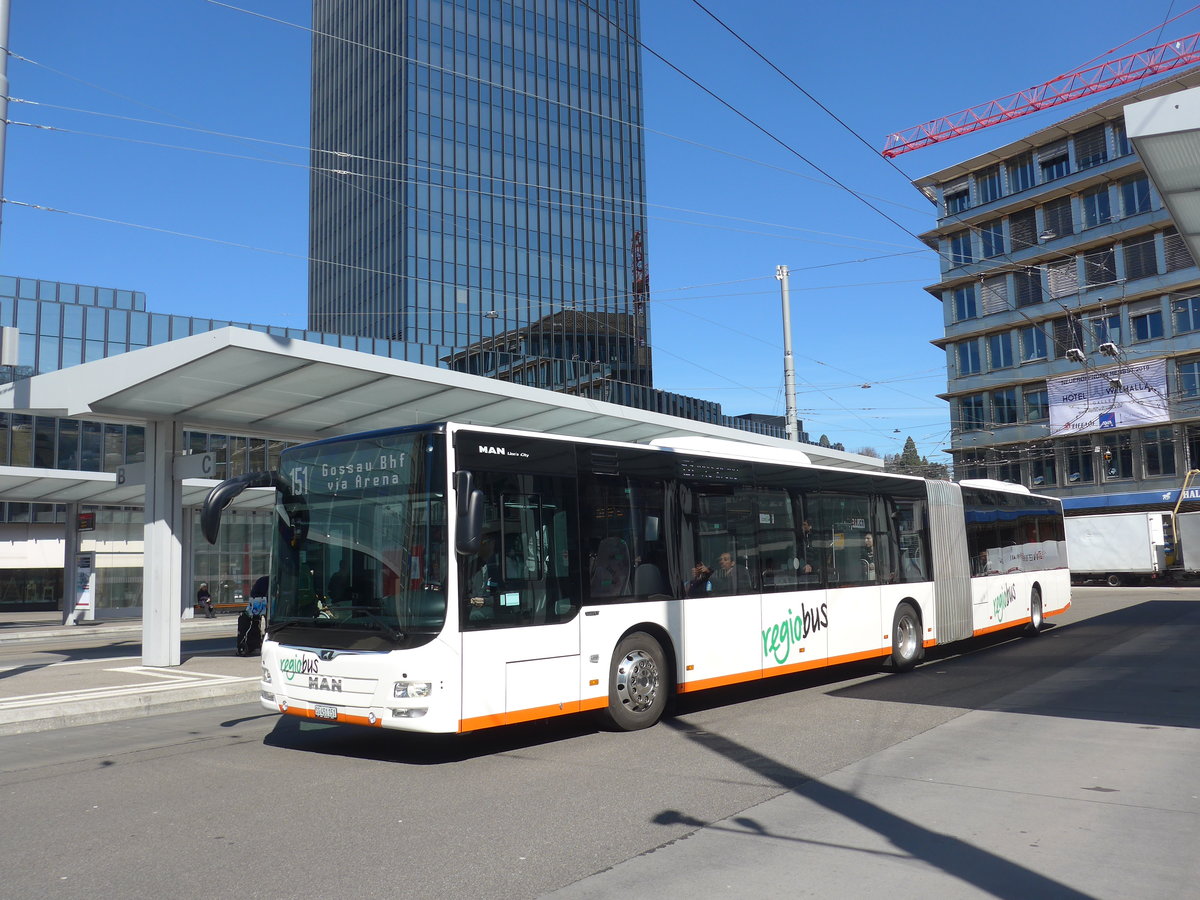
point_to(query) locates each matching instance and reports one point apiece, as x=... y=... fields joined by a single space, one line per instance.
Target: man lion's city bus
x=450 y=578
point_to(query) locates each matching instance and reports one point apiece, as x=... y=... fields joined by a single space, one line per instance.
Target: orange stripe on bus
x=1013 y=623
x=532 y=714
x=705 y=684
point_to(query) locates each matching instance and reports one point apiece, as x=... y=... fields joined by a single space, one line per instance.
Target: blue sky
x=223 y=232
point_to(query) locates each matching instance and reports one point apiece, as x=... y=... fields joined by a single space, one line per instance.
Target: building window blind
x=1028 y=287
x=1175 y=251
x=1057 y=215
x=1062 y=278
x=995 y=294
x=1022 y=229
x=1139 y=258
x=1099 y=267
x=1091 y=147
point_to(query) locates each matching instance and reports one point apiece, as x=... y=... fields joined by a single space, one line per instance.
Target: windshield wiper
x=379 y=622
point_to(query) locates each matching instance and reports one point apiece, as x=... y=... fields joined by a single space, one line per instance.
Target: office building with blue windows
x=1072 y=315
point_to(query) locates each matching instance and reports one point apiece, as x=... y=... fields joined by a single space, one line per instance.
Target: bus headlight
x=266 y=674
x=408 y=690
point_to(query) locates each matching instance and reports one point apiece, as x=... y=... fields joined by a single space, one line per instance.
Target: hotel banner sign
x=1121 y=396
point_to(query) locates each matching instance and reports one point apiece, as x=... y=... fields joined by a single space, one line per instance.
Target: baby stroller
x=249 y=633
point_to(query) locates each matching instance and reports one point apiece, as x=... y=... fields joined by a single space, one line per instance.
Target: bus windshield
x=360 y=547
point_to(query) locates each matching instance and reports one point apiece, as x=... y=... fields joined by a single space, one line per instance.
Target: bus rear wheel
x=1036 y=617
x=637 y=683
x=906 y=638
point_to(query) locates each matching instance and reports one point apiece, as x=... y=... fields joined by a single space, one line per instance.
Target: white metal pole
x=4 y=16
x=789 y=368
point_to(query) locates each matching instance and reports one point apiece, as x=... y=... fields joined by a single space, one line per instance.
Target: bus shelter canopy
x=238 y=381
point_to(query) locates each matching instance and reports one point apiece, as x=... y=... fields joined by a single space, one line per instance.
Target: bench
x=219 y=608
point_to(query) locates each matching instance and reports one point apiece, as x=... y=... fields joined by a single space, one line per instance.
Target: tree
x=824 y=441
x=868 y=451
x=910 y=462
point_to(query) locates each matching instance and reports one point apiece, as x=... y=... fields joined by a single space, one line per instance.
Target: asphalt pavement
x=56 y=676
x=1080 y=784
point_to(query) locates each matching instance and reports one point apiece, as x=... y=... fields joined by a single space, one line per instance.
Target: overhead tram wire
x=974 y=229
x=745 y=118
x=840 y=121
x=311 y=168
x=248 y=246
x=762 y=128
x=834 y=181
x=238 y=245
x=432 y=170
x=466 y=174
x=788 y=78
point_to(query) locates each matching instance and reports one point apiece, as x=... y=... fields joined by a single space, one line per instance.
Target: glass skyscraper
x=478 y=184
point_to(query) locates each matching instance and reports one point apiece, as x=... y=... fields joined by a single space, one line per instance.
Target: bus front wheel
x=637 y=683
x=906 y=638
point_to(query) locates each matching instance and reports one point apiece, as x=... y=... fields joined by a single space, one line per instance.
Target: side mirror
x=469 y=505
x=224 y=493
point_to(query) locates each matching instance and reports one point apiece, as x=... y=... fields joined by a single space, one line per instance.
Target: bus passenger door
x=520 y=603
x=853 y=567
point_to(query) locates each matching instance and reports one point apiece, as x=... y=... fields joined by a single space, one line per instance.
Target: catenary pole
x=789 y=368
x=4 y=11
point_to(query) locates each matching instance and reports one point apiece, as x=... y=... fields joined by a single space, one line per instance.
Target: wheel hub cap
x=637 y=681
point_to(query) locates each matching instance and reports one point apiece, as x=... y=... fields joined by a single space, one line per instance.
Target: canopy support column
x=162 y=578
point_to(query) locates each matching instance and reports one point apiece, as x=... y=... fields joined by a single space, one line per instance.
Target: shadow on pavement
x=995 y=875
x=410 y=748
x=1134 y=665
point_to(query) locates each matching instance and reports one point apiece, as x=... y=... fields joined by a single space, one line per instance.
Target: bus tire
x=638 y=683
x=1037 y=618
x=906 y=638
x=1113 y=580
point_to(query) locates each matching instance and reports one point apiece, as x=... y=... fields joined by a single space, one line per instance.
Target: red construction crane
x=1063 y=89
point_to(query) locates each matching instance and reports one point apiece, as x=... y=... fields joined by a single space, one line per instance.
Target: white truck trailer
x=1118 y=548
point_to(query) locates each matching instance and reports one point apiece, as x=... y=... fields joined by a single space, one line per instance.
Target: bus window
x=624 y=538
x=909 y=516
x=727 y=538
x=840 y=522
x=522 y=574
x=783 y=564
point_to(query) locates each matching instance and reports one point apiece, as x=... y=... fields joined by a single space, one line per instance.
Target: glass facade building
x=478 y=169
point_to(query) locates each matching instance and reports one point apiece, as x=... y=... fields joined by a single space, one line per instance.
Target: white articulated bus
x=450 y=578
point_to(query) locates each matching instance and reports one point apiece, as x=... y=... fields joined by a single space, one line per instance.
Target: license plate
x=325 y=712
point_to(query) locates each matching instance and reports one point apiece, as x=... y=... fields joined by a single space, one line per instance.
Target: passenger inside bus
x=730 y=577
x=700 y=582
x=484 y=584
